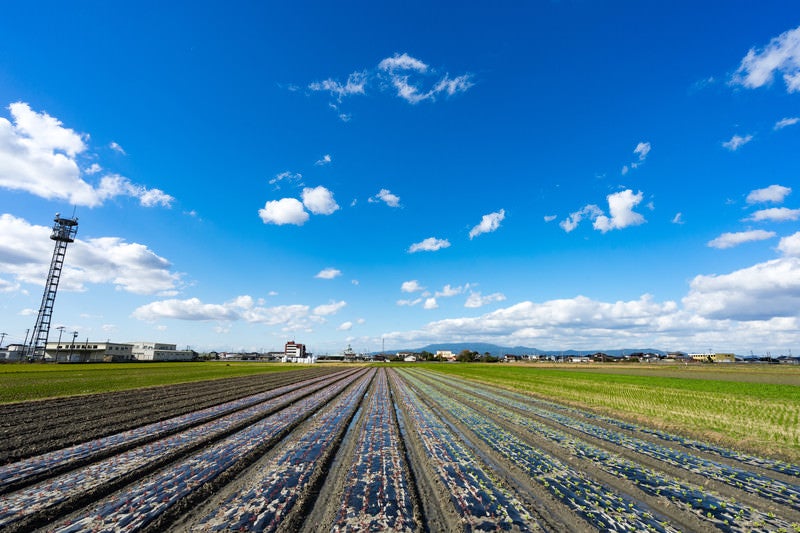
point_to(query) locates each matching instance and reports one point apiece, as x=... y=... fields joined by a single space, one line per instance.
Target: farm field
x=752 y=407
x=370 y=449
x=23 y=381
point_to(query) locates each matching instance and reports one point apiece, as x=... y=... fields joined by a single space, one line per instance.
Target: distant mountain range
x=499 y=351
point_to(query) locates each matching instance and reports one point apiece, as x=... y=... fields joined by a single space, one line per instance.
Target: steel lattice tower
x=64 y=230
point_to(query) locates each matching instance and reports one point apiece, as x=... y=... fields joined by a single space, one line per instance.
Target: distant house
x=410 y=358
x=445 y=355
x=511 y=358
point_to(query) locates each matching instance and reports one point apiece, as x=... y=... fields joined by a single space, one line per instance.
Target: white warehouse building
x=156 y=351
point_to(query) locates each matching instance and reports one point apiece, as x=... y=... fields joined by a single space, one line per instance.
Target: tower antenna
x=64 y=231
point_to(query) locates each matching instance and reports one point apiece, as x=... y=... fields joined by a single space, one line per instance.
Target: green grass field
x=21 y=382
x=749 y=407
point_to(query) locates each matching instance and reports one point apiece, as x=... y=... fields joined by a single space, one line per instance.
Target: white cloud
x=291 y=177
x=283 y=211
x=355 y=84
x=488 y=223
x=430 y=303
x=736 y=142
x=642 y=149
x=781 y=55
x=38 y=155
x=345 y=326
x=326 y=159
x=319 y=201
x=790 y=245
x=386 y=196
x=678 y=218
x=117 y=148
x=431 y=244
x=411 y=286
x=775 y=214
x=785 y=122
x=773 y=194
x=449 y=291
x=620 y=207
x=760 y=292
x=729 y=240
x=25 y=251
x=241 y=308
x=549 y=218
x=7 y=286
x=328 y=273
x=409 y=303
x=624 y=170
x=329 y=308
x=572 y=221
x=402 y=62
x=475 y=299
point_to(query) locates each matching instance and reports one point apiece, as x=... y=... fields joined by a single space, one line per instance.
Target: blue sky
x=577 y=174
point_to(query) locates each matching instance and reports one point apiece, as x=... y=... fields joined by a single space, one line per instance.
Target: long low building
x=99 y=352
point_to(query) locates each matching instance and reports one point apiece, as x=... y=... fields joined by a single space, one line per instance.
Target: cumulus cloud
x=345 y=326
x=132 y=267
x=736 y=142
x=780 y=55
x=328 y=273
x=773 y=194
x=762 y=291
x=775 y=214
x=785 y=122
x=241 y=308
x=476 y=300
x=386 y=196
x=329 y=308
x=430 y=303
x=729 y=240
x=449 y=291
x=488 y=223
x=790 y=245
x=620 y=207
x=431 y=244
x=39 y=155
x=550 y=218
x=283 y=211
x=319 y=201
x=411 y=286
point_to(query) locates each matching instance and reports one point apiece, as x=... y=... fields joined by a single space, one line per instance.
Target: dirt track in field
x=324 y=449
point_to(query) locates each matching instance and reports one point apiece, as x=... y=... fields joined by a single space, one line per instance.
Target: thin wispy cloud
x=326 y=159
x=411 y=79
x=730 y=240
x=328 y=273
x=736 y=142
x=785 y=123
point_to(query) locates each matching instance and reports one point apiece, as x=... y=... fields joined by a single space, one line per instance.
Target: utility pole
x=2 y=338
x=60 y=331
x=25 y=344
x=72 y=346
